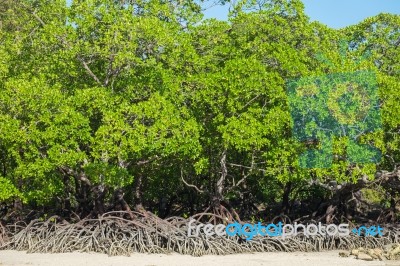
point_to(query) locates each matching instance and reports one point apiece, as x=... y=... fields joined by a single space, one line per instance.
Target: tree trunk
x=286 y=198
x=137 y=193
x=219 y=188
x=121 y=203
x=99 y=193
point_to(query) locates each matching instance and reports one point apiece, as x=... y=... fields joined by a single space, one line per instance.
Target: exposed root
x=114 y=235
x=3 y=235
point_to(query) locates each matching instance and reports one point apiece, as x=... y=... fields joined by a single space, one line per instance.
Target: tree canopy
x=109 y=104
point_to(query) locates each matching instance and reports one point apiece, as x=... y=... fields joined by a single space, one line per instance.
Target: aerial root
x=114 y=235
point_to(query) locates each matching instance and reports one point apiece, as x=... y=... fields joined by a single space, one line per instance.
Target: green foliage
x=100 y=94
x=374 y=195
x=8 y=190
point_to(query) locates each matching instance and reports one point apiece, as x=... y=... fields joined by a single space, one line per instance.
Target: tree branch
x=190 y=185
x=89 y=71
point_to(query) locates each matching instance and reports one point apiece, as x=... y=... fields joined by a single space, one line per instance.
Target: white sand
x=331 y=258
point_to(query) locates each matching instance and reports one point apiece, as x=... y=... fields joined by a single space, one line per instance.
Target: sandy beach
x=330 y=258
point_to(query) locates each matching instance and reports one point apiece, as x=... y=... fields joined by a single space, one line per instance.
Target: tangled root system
x=113 y=234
